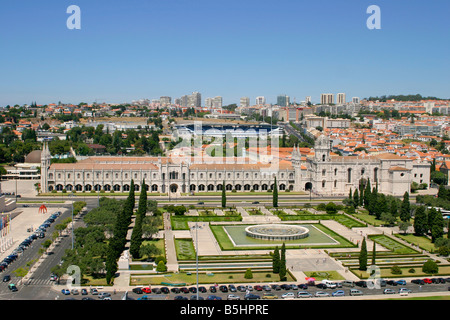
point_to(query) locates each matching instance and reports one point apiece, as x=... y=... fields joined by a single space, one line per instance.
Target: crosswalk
x=32 y=282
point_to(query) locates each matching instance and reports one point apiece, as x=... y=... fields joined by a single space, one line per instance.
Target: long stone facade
x=321 y=173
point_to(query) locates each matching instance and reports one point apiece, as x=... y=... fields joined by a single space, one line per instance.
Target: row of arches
x=173 y=187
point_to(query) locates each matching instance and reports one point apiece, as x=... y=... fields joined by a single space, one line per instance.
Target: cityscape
x=206 y=186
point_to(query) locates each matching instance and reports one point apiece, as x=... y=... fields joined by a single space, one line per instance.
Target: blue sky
x=134 y=49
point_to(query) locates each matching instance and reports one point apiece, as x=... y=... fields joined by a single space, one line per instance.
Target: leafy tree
x=161 y=267
x=430 y=267
x=248 y=274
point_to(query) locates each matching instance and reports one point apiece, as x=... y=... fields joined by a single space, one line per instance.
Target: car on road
x=304 y=294
x=356 y=292
x=201 y=202
x=255 y=202
x=65 y=292
x=388 y=291
x=6 y=278
x=404 y=290
x=233 y=297
x=269 y=295
x=213 y=297
x=338 y=293
x=53 y=277
x=288 y=295
x=26 y=206
x=12 y=287
x=322 y=294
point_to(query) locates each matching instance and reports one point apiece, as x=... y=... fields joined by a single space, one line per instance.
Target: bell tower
x=322 y=149
x=45 y=165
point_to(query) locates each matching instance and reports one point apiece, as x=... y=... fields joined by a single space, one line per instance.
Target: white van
x=329 y=284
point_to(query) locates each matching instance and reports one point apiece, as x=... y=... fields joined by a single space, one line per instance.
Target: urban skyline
x=119 y=54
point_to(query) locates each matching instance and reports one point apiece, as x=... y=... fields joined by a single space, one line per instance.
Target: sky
x=129 y=50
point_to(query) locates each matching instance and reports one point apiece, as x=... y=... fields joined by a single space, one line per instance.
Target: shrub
x=395 y=269
x=248 y=274
x=430 y=267
x=412 y=270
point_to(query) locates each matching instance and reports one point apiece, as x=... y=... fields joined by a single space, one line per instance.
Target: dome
x=33 y=157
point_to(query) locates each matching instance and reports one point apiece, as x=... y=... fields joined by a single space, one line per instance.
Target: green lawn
x=390 y=244
x=185 y=249
x=423 y=242
x=324 y=275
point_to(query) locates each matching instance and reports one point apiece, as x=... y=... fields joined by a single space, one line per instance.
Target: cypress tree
x=374 y=253
x=367 y=194
x=136 y=236
x=361 y=195
x=356 y=198
x=224 y=195
x=282 y=271
x=405 y=210
x=350 y=198
x=394 y=208
x=363 y=256
x=275 y=194
x=276 y=260
x=432 y=213
x=437 y=229
x=420 y=221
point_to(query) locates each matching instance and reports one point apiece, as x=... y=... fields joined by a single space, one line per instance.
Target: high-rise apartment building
x=355 y=100
x=245 y=102
x=217 y=102
x=341 y=98
x=326 y=98
x=165 y=101
x=283 y=101
x=195 y=100
x=308 y=99
x=260 y=100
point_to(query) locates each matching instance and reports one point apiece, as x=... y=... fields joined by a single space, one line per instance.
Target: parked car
x=84 y=292
x=288 y=295
x=74 y=291
x=322 y=294
x=232 y=288
x=144 y=297
x=277 y=287
x=212 y=289
x=321 y=286
x=269 y=295
x=224 y=289
x=418 y=281
x=180 y=298
x=401 y=282
x=361 y=283
x=137 y=290
x=175 y=290
x=392 y=283
x=427 y=280
x=194 y=297
x=213 y=297
x=65 y=292
x=193 y=289
x=252 y=297
x=184 y=290
x=356 y=292
x=295 y=287
x=255 y=202
x=258 y=288
x=241 y=288
x=304 y=294
x=266 y=288
x=404 y=290
x=94 y=291
x=388 y=291
x=200 y=289
x=103 y=295
x=233 y=297
x=303 y=286
x=146 y=290
x=338 y=293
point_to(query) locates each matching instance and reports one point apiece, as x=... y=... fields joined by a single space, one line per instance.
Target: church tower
x=322 y=149
x=45 y=165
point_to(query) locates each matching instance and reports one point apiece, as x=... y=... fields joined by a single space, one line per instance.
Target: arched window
x=349 y=175
x=323 y=183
